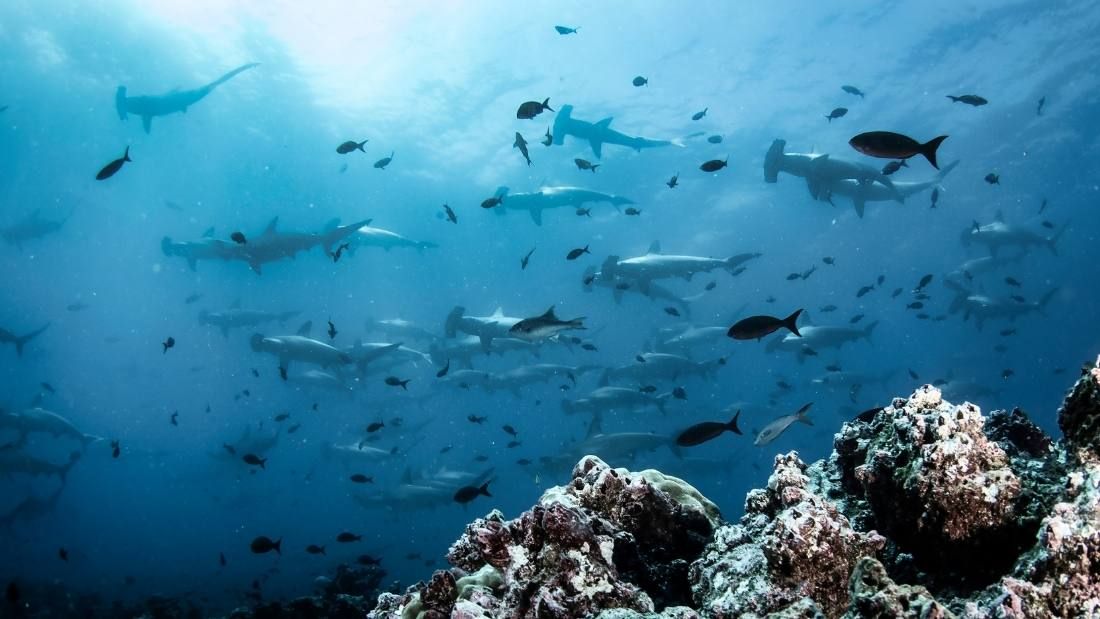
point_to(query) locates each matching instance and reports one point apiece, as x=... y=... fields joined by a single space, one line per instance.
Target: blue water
x=438 y=84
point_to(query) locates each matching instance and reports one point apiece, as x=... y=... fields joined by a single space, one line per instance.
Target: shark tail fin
x=928 y=149
x=228 y=76
x=946 y=170
x=1052 y=242
x=22 y=341
x=1046 y=298
x=869 y=329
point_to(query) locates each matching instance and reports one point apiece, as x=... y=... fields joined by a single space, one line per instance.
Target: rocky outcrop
x=925 y=509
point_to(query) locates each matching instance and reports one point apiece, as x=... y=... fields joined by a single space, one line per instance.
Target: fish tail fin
x=484 y=489
x=360 y=147
x=801 y=415
x=126 y=155
x=546 y=104
x=732 y=425
x=791 y=322
x=928 y=149
x=278 y=545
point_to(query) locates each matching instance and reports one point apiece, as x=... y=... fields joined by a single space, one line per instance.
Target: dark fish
x=530 y=109
x=281 y=417
x=674 y=181
x=584 y=164
x=835 y=367
x=394 y=381
x=466 y=494
x=710 y=286
x=112 y=168
x=647 y=389
x=887 y=145
x=523 y=462
x=935 y=196
x=229 y=448
x=679 y=393
x=974 y=100
x=12 y=593
x=577 y=253
x=868 y=415
x=523 y=261
x=314 y=549
x=639 y=358
x=809 y=352
x=630 y=210
x=566 y=30
x=521 y=144
x=913 y=375
x=1008 y=373
x=589 y=347
x=476 y=419
x=481 y=458
x=360 y=478
x=707 y=430
x=191 y=298
x=881 y=278
x=770 y=299
x=1046 y=224
x=672 y=311
x=715 y=139
x=351 y=146
x=346 y=537
x=793 y=276
x=1012 y=281
x=282 y=372
x=837 y=113
x=375 y=426
x=864 y=290
x=993 y=179
x=294 y=428
x=383 y=162
x=63 y=554
x=491 y=202
x=700 y=115
x=714 y=165
x=828 y=308
x=756 y=327
x=1039 y=107
x=1008 y=332
x=174 y=419
x=915 y=305
x=584 y=212
x=829 y=260
x=509 y=429
x=238 y=238
x=852 y=90
x=262 y=545
x=221 y=559
x=443 y=372
x=116 y=449
x=451 y=217
x=807 y=273
x=640 y=81
x=923 y=316
x=331 y=330
x=1018 y=298
x=255 y=460
x=854 y=319
x=895 y=293
x=168 y=343
x=894 y=166
x=924 y=281
x=367 y=560
x=1043 y=206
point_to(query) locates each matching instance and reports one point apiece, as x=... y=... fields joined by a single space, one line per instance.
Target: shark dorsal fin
x=209 y=233
x=274 y=223
x=605 y=123
x=499 y=312
x=654 y=247
x=306 y=327
x=236 y=304
x=550 y=314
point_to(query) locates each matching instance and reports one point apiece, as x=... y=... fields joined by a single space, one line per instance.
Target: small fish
x=887 y=145
x=168 y=343
x=443 y=372
x=852 y=90
x=509 y=430
x=895 y=293
x=521 y=144
x=1008 y=373
x=1046 y=224
x=238 y=238
x=191 y=298
x=566 y=30
x=547 y=139
x=375 y=426
x=262 y=545
x=63 y=554
x=913 y=375
x=894 y=166
x=1043 y=206
x=1039 y=107
x=112 y=168
x=854 y=319
x=314 y=549
x=770 y=299
x=756 y=327
x=974 y=100
x=174 y=419
x=229 y=448
x=639 y=81
x=281 y=417
x=648 y=389
x=793 y=276
x=924 y=281
x=710 y=286
x=993 y=179
x=116 y=449
x=923 y=316
x=837 y=113
x=360 y=478
x=584 y=164
x=331 y=330
x=383 y=162
x=834 y=367
x=1012 y=281
x=351 y=146
x=774 y=429
x=589 y=347
x=584 y=212
x=864 y=290
x=530 y=109
x=526 y=259
x=827 y=308
x=715 y=139
x=476 y=419
x=451 y=217
x=680 y=393
x=336 y=255
x=674 y=181
x=700 y=115
x=523 y=462
x=633 y=212
x=77 y=307
x=367 y=560
x=577 y=253
x=707 y=430
x=254 y=460
x=714 y=165
x=881 y=278
x=1008 y=332
x=672 y=311
x=346 y=538
x=294 y=428
x=829 y=260
x=466 y=494
x=807 y=273
x=639 y=358
x=915 y=305
x=784 y=385
x=221 y=559
x=481 y=458
x=394 y=381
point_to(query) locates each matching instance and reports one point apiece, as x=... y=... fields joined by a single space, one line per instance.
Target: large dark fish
x=466 y=494
x=887 y=145
x=707 y=430
x=351 y=146
x=530 y=109
x=974 y=100
x=112 y=168
x=262 y=545
x=383 y=162
x=714 y=165
x=852 y=90
x=836 y=113
x=756 y=327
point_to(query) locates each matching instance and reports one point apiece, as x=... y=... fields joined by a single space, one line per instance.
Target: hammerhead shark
x=598 y=133
x=148 y=106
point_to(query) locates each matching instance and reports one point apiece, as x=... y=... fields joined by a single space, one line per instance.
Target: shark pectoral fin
x=597 y=148
x=860 y=206
x=255 y=266
x=486 y=342
x=536 y=216
x=147 y=123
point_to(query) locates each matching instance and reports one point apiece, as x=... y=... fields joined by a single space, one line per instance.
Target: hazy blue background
x=439 y=83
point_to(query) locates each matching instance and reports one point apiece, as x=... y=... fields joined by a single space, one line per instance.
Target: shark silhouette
x=148 y=106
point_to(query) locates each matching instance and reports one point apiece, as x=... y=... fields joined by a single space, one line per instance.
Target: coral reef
x=925 y=509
